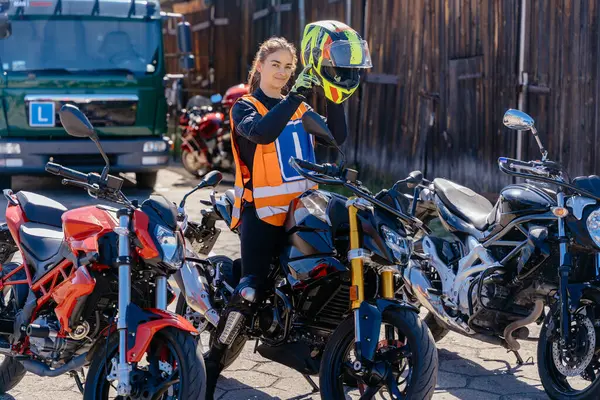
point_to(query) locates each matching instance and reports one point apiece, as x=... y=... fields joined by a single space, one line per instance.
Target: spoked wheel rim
x=205 y=329
x=576 y=371
x=156 y=377
x=393 y=366
x=195 y=162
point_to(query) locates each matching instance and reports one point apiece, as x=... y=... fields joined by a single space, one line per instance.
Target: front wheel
x=173 y=368
x=406 y=361
x=571 y=371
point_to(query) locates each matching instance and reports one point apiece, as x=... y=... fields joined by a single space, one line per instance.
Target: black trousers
x=260 y=243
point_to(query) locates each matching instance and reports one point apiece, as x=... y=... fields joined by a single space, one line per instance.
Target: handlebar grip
x=68 y=173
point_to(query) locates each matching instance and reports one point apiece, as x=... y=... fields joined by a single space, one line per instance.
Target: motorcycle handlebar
x=68 y=173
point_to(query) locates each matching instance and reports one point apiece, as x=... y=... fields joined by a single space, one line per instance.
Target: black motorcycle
x=331 y=310
x=490 y=270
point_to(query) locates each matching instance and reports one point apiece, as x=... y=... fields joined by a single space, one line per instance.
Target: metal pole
x=302 y=16
x=523 y=78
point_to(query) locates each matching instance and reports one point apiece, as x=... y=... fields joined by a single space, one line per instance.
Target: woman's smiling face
x=276 y=70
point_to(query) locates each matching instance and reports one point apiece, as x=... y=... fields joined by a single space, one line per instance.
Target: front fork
x=356 y=255
x=124 y=262
x=563 y=275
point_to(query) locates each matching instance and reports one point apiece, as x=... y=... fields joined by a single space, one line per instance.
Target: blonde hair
x=267 y=48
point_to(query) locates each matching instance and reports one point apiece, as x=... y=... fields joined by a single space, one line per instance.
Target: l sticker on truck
x=41 y=114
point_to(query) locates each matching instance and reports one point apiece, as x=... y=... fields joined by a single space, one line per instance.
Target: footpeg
x=235 y=319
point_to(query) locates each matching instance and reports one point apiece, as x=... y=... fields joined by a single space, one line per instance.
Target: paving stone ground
x=469 y=369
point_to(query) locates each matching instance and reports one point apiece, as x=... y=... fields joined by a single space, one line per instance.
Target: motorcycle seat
x=41 y=209
x=230 y=194
x=465 y=203
x=42 y=241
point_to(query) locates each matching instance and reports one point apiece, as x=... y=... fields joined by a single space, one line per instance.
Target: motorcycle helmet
x=337 y=54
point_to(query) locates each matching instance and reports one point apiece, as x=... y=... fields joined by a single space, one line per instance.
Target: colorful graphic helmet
x=337 y=54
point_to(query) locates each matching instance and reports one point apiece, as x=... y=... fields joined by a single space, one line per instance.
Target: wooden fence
x=444 y=72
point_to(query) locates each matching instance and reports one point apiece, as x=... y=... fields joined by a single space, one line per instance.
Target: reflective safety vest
x=274 y=182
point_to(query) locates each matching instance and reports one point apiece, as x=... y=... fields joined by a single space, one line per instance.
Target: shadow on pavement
x=509 y=376
x=235 y=390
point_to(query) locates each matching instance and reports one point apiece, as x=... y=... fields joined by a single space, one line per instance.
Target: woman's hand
x=305 y=82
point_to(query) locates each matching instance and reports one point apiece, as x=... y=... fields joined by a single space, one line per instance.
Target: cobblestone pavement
x=468 y=369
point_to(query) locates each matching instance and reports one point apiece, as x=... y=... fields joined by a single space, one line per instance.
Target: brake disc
x=568 y=362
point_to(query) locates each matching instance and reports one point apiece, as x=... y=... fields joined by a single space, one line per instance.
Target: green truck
x=106 y=57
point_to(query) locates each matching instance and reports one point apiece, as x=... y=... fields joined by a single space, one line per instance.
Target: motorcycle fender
x=145 y=323
x=578 y=290
x=369 y=315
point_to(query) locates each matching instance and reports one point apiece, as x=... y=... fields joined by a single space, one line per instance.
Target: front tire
x=557 y=385
x=424 y=356
x=177 y=344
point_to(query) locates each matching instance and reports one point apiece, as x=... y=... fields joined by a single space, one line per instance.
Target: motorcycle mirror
x=213 y=178
x=414 y=179
x=517 y=120
x=314 y=124
x=75 y=122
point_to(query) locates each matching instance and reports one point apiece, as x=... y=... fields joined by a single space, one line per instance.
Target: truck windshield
x=81 y=45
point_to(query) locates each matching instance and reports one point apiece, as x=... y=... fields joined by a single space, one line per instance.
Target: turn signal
x=560 y=212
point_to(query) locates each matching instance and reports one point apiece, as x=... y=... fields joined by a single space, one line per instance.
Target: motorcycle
x=330 y=310
x=206 y=140
x=490 y=270
x=92 y=290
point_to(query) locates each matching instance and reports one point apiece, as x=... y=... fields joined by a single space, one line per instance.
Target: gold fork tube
x=387 y=284
x=357 y=291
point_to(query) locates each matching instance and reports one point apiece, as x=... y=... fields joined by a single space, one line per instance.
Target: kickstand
x=75 y=375
x=311 y=383
x=520 y=359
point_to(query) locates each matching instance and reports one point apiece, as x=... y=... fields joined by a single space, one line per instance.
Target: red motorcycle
x=206 y=137
x=92 y=290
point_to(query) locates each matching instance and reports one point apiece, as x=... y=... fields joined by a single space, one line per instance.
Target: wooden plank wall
x=444 y=73
x=563 y=51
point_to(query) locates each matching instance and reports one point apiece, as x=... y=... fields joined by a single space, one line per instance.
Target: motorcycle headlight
x=593 y=226
x=171 y=246
x=401 y=247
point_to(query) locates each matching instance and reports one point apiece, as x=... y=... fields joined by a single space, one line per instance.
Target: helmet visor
x=348 y=54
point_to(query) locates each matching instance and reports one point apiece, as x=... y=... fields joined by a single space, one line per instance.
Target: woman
x=267 y=131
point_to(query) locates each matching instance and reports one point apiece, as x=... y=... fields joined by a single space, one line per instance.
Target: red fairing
x=67 y=293
x=15 y=217
x=84 y=226
x=146 y=331
x=209 y=124
x=140 y=227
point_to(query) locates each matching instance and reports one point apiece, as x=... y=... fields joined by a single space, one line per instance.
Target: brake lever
x=79 y=184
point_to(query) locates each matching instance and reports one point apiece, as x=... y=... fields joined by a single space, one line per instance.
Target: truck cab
x=106 y=57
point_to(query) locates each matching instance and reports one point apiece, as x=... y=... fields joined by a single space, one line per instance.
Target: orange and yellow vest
x=274 y=182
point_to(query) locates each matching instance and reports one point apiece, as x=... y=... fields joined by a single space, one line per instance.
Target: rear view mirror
x=213 y=178
x=314 y=124
x=518 y=120
x=75 y=122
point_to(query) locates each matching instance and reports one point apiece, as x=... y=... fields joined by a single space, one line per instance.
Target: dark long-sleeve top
x=252 y=129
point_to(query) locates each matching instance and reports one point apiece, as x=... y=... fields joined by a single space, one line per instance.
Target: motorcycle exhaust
x=422 y=289
x=511 y=342
x=194 y=287
x=415 y=278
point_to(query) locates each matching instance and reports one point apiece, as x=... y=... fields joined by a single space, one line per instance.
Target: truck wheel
x=146 y=180
x=5 y=182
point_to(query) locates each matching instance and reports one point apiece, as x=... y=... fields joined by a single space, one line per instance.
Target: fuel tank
x=84 y=226
x=523 y=199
